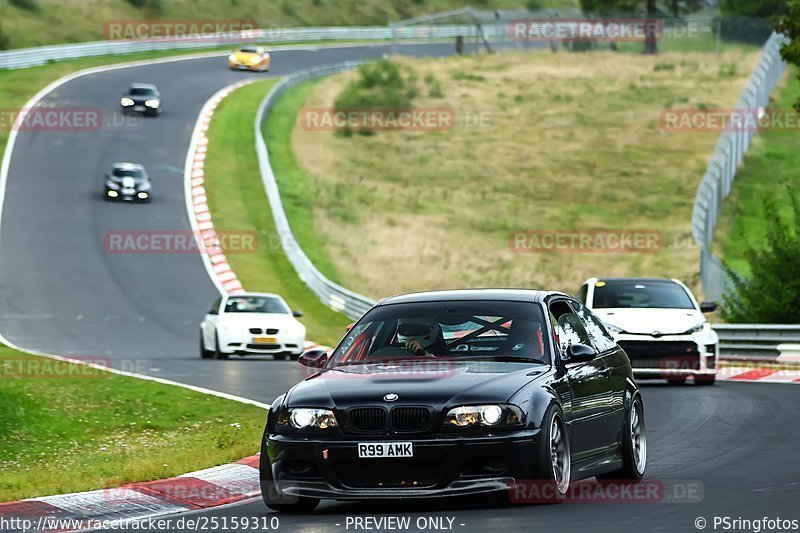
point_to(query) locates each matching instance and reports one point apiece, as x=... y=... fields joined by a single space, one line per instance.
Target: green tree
x=771 y=294
x=789 y=25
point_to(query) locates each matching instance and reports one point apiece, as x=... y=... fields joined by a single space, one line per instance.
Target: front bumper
x=243 y=66
x=441 y=466
x=126 y=196
x=669 y=356
x=246 y=345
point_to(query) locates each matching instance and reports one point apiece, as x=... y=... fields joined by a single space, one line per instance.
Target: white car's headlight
x=307 y=418
x=703 y=326
x=126 y=101
x=152 y=103
x=491 y=415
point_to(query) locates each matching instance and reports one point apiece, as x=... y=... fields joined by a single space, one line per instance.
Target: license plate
x=138 y=108
x=370 y=450
x=265 y=340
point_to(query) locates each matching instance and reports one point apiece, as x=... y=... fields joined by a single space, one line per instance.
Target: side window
x=215 y=308
x=569 y=328
x=600 y=338
x=581 y=296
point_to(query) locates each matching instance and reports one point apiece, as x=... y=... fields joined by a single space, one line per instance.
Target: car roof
x=143 y=86
x=246 y=294
x=518 y=295
x=127 y=166
x=642 y=280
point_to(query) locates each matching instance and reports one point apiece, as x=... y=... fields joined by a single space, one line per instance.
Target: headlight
x=613 y=329
x=126 y=101
x=142 y=195
x=232 y=58
x=698 y=328
x=491 y=415
x=152 y=103
x=112 y=194
x=304 y=418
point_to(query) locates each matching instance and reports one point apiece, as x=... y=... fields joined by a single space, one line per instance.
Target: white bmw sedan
x=659 y=324
x=251 y=324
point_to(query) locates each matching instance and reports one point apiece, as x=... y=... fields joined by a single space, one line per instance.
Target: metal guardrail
x=728 y=153
x=744 y=341
x=31 y=57
x=333 y=295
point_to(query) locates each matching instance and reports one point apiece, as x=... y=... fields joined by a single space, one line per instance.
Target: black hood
x=436 y=384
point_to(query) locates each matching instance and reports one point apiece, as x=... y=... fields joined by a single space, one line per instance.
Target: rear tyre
x=676 y=381
x=218 y=354
x=280 y=356
x=634 y=446
x=205 y=354
x=272 y=498
x=705 y=380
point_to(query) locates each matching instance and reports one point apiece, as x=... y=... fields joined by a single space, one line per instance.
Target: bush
x=379 y=86
x=772 y=294
x=28 y=5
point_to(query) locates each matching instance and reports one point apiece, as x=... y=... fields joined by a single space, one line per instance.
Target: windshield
x=249 y=50
x=644 y=294
x=128 y=173
x=140 y=91
x=255 y=304
x=468 y=330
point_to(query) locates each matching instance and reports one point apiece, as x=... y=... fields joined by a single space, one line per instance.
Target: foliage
x=789 y=25
x=772 y=292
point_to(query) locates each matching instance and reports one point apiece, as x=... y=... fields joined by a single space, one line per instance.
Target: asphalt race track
x=732 y=449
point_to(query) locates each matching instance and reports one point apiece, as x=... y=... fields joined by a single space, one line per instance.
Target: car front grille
x=272 y=331
x=368 y=419
x=664 y=355
x=263 y=346
x=410 y=418
x=389 y=473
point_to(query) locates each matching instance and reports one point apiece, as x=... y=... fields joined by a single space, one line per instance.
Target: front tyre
x=205 y=354
x=218 y=354
x=553 y=463
x=634 y=446
x=274 y=499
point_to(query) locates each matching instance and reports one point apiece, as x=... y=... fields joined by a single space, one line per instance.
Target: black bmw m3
x=457 y=392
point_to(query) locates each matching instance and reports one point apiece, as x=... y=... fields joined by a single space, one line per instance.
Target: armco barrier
x=757 y=341
x=31 y=57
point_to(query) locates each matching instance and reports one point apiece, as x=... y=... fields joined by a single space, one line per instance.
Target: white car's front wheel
x=218 y=354
x=204 y=353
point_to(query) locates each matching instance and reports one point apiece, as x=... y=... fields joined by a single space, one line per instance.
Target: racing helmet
x=423 y=329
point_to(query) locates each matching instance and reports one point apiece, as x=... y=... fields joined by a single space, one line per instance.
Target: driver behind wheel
x=420 y=336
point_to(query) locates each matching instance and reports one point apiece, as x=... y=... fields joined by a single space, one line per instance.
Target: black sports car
x=128 y=181
x=457 y=392
x=142 y=97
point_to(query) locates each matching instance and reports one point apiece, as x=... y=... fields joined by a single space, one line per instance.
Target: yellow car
x=249 y=58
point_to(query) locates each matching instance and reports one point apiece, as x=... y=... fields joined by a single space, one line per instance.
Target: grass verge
x=772 y=161
x=68 y=428
x=237 y=201
x=565 y=143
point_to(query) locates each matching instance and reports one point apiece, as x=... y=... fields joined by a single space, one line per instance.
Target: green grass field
x=237 y=201
x=68 y=428
x=773 y=161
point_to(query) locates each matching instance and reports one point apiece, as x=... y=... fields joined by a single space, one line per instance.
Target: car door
x=210 y=324
x=613 y=369
x=590 y=388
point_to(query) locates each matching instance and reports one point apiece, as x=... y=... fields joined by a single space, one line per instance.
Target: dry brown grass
x=574 y=143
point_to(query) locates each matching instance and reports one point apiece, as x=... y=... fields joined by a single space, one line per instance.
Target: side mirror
x=313 y=358
x=579 y=353
x=708 y=307
x=297 y=313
